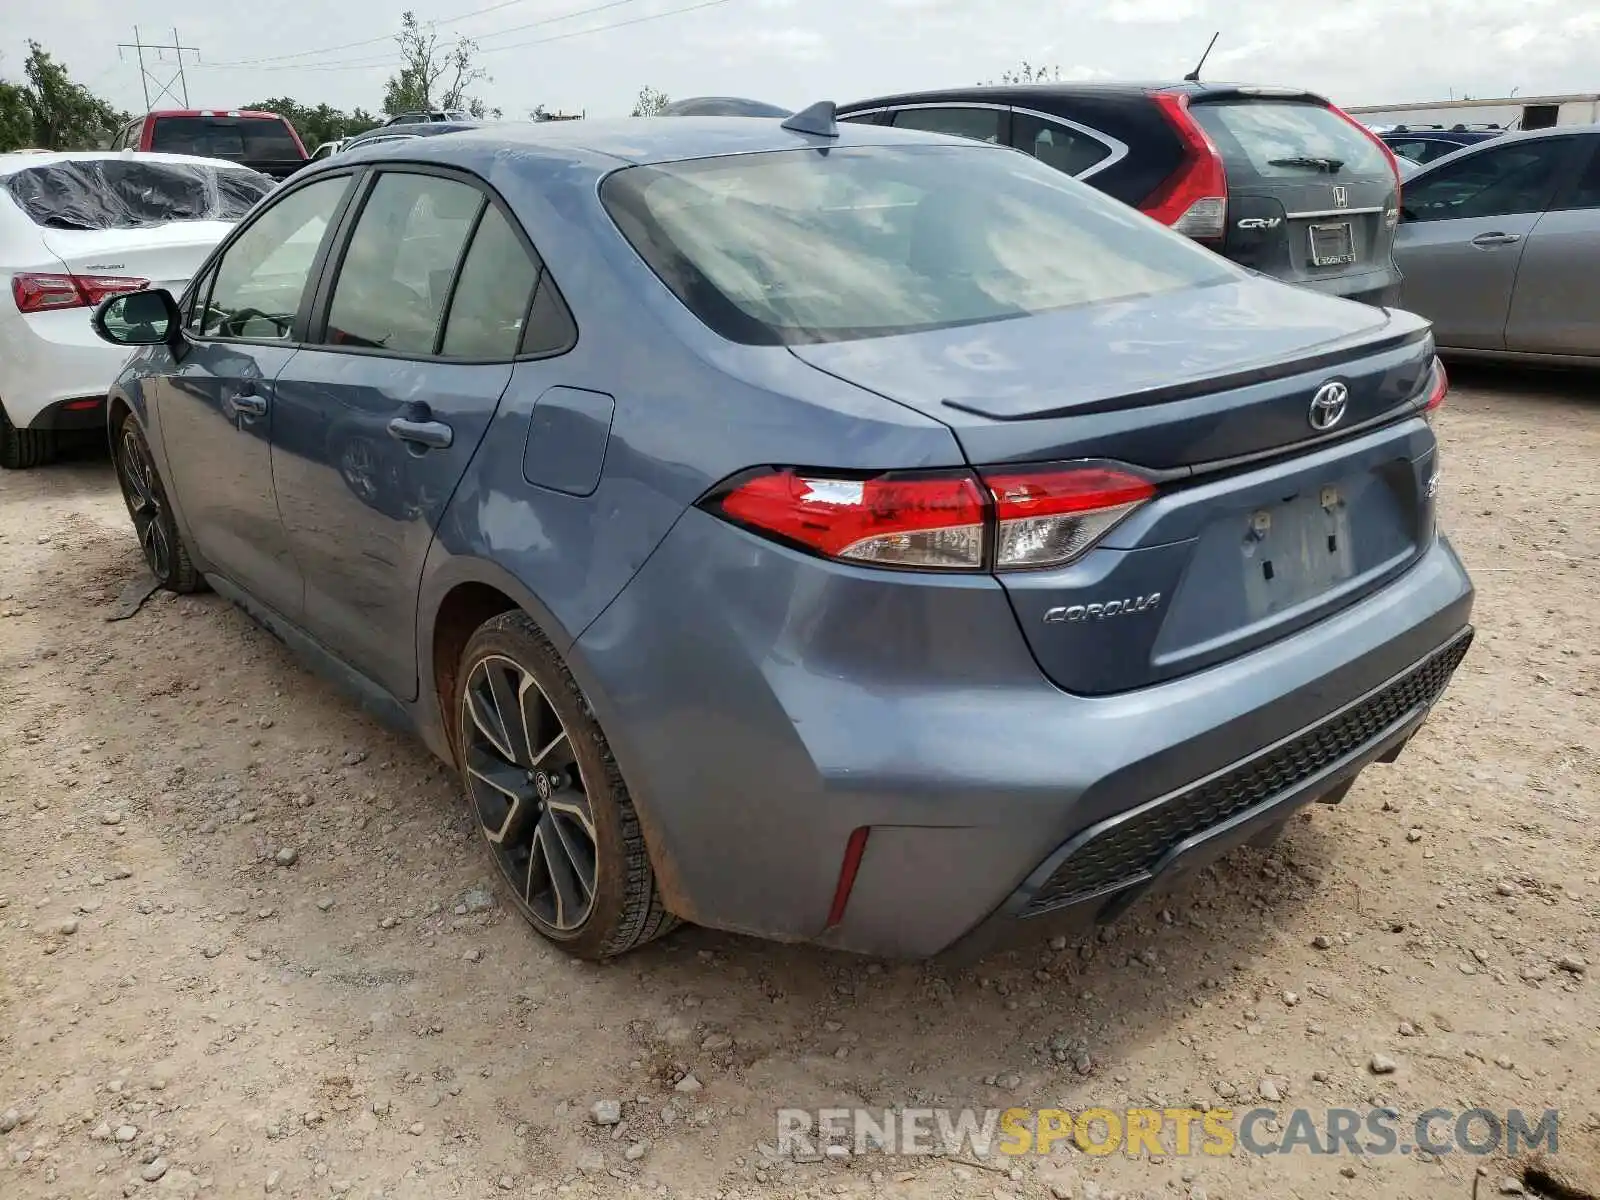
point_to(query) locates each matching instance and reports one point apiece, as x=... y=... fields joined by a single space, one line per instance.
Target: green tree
x=52 y=112
x=650 y=102
x=322 y=123
x=431 y=76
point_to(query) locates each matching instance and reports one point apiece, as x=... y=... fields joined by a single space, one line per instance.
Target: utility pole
x=167 y=77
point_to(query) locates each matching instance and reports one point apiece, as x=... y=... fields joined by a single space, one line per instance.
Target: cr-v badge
x=1099 y=612
x=1260 y=222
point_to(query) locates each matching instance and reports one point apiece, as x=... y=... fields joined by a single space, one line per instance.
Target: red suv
x=261 y=140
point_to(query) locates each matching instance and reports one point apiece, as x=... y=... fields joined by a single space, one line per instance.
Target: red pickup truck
x=264 y=141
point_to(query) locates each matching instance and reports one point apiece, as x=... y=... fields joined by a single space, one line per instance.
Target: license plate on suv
x=1332 y=245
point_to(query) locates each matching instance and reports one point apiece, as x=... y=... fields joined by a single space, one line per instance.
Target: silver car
x=1500 y=246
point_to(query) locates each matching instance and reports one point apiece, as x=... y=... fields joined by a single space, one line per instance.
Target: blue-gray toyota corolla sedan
x=833 y=533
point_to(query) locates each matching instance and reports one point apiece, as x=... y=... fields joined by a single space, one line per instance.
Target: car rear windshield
x=253 y=139
x=1276 y=139
x=126 y=193
x=827 y=245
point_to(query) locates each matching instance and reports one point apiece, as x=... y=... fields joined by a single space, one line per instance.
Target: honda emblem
x=1341 y=196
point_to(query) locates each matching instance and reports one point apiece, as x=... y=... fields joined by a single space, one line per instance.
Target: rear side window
x=396 y=274
x=806 y=246
x=1056 y=145
x=979 y=124
x=492 y=295
x=1587 y=192
x=122 y=193
x=1281 y=139
x=225 y=137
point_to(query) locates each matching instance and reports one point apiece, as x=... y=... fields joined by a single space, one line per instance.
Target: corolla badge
x=1103 y=610
x=1328 y=405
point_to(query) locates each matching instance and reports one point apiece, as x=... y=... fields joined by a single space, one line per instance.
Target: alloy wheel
x=529 y=794
x=139 y=489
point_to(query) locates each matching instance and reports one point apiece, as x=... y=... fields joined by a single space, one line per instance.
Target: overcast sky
x=795 y=51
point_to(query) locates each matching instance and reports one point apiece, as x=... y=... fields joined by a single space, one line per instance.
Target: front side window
x=806 y=246
x=1515 y=177
x=262 y=276
x=1056 y=145
x=397 y=269
x=979 y=124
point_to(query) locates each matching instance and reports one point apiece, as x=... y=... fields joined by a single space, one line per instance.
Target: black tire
x=24 y=448
x=146 y=497
x=557 y=810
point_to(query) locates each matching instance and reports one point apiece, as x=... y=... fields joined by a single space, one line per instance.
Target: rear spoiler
x=1227 y=92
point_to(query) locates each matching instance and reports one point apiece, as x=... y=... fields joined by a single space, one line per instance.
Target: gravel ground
x=249 y=944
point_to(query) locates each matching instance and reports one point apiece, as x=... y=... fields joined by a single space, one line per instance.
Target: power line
x=388 y=60
x=582 y=12
x=150 y=74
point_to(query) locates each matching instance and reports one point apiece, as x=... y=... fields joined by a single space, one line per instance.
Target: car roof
x=646 y=140
x=213 y=112
x=13 y=162
x=1516 y=135
x=1025 y=93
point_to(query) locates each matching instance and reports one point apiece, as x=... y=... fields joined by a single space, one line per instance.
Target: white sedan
x=75 y=228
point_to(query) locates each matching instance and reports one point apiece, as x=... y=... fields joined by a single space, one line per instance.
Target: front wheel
x=146 y=498
x=545 y=790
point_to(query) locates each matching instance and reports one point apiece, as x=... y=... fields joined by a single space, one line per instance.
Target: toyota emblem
x=1328 y=405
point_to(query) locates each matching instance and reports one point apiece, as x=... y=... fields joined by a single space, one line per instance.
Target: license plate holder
x=1332 y=244
x=1295 y=551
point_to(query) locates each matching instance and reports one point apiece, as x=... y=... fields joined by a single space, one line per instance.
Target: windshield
x=1288 y=138
x=237 y=138
x=809 y=245
x=127 y=193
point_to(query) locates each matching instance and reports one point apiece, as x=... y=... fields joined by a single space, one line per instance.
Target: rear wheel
x=146 y=498
x=24 y=448
x=545 y=790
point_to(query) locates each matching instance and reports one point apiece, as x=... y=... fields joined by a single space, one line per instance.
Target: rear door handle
x=1496 y=239
x=430 y=435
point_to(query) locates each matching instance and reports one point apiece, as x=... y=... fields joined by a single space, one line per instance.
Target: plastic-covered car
x=722 y=106
x=74 y=229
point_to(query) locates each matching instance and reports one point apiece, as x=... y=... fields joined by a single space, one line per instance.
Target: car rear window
x=237 y=138
x=811 y=245
x=1276 y=139
x=126 y=193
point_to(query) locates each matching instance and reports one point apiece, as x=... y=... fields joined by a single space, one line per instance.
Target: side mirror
x=146 y=318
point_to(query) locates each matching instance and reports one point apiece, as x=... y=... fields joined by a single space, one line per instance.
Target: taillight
x=43 y=292
x=1049 y=516
x=1017 y=518
x=1438 y=389
x=1194 y=199
x=929 y=521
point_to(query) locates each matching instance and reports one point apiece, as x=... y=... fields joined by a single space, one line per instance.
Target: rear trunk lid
x=166 y=255
x=1311 y=198
x=1264 y=524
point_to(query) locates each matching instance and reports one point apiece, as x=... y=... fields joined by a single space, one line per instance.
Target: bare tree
x=431 y=76
x=650 y=102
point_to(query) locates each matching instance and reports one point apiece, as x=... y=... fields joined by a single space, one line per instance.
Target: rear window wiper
x=1330 y=165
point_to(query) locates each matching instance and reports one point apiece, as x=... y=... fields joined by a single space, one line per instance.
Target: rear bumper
x=764 y=705
x=1379 y=287
x=52 y=357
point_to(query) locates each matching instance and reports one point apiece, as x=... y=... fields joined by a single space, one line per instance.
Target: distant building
x=1511 y=112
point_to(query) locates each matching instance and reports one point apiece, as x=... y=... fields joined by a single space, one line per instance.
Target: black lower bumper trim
x=1130 y=848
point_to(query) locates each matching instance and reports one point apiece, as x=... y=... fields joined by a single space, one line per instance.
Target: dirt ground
x=367 y=1020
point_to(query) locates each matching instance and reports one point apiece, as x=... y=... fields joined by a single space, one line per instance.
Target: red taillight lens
x=42 y=292
x=1033 y=516
x=928 y=521
x=1194 y=199
x=1438 y=388
x=96 y=288
x=1049 y=516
